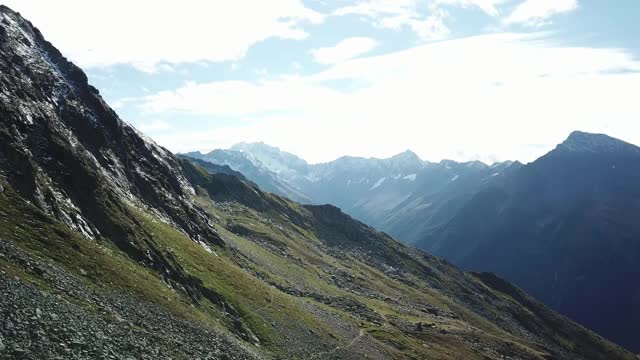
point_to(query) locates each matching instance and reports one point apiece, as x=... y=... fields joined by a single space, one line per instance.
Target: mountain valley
x=562 y=227
x=113 y=247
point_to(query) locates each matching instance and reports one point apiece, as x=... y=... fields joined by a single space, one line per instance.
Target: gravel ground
x=75 y=321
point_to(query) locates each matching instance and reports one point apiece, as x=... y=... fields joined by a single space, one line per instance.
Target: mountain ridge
x=579 y=141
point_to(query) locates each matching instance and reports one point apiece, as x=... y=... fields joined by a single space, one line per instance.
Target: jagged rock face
x=63 y=148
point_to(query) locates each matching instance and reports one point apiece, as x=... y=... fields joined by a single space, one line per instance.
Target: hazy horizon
x=487 y=80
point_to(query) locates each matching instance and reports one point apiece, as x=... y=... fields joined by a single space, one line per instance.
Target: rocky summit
x=111 y=247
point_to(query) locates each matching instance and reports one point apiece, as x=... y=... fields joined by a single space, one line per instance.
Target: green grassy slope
x=297 y=288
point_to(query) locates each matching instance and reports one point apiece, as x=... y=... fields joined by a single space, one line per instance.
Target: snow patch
x=411 y=177
x=496 y=174
x=207 y=248
x=455 y=178
x=423 y=206
x=312 y=178
x=378 y=183
x=28 y=115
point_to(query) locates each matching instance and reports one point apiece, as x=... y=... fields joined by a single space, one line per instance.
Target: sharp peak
x=578 y=135
x=580 y=141
x=406 y=154
x=39 y=47
x=252 y=143
x=505 y=163
x=474 y=162
x=18 y=16
x=5 y=8
x=463 y=163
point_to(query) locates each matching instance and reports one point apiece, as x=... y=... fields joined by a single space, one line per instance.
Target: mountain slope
x=352 y=257
x=566 y=229
x=111 y=247
x=444 y=190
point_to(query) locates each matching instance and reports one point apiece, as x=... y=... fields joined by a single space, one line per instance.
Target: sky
x=487 y=80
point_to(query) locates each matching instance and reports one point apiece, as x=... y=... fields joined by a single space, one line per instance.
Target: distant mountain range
x=565 y=227
x=402 y=195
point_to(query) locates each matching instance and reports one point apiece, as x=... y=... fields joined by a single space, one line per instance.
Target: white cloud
x=148 y=33
x=497 y=96
x=490 y=7
x=344 y=50
x=237 y=98
x=431 y=27
x=154 y=126
x=537 y=12
x=424 y=17
x=373 y=8
x=399 y=14
x=120 y=103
